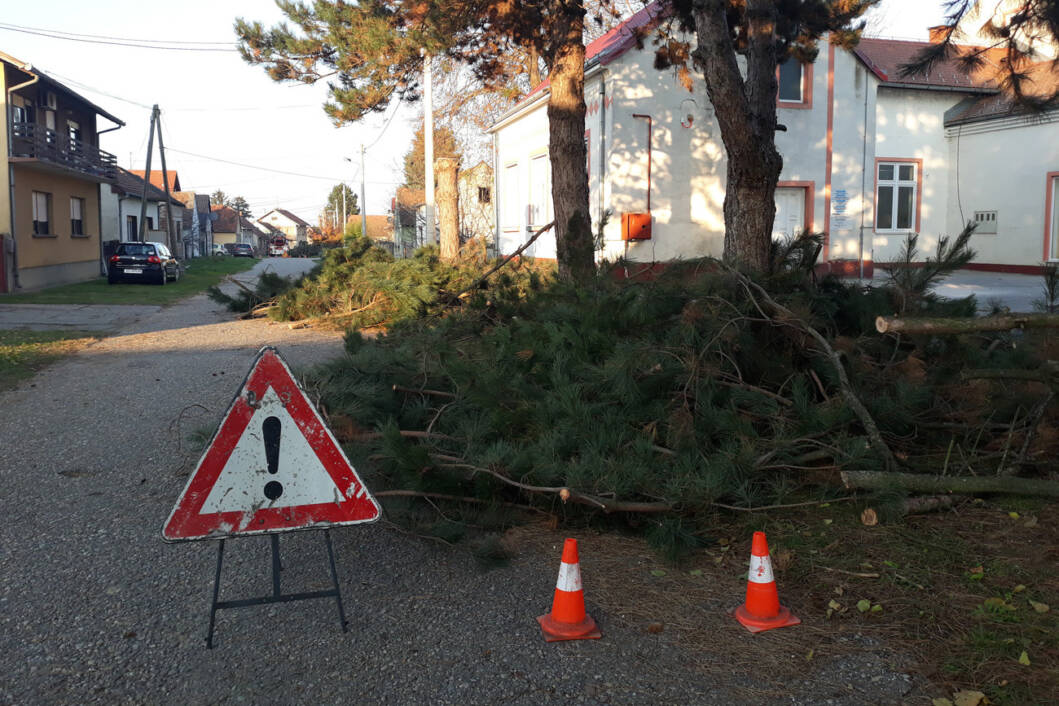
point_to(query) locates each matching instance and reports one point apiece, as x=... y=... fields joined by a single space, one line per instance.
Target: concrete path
x=1017 y=292
x=111 y=317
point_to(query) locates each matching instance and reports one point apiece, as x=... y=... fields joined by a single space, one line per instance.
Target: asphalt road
x=95 y=608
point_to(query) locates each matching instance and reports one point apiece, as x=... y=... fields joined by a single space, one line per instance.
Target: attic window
x=483 y=194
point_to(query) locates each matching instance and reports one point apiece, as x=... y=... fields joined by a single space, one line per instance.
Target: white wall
x=910 y=124
x=114 y=209
x=1002 y=165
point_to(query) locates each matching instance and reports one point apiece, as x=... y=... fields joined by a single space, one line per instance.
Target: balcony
x=35 y=145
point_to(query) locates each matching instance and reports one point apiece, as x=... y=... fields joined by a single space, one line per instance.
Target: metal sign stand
x=277 y=596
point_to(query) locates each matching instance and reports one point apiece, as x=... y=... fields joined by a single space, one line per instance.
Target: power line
x=104 y=36
x=51 y=35
x=270 y=169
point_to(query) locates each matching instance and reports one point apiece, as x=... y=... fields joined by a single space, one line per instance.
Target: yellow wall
x=224 y=238
x=60 y=247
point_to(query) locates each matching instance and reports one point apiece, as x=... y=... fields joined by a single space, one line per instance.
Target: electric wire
x=104 y=36
x=131 y=45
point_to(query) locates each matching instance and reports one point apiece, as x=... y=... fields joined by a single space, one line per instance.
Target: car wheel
x=176 y=274
x=112 y=280
x=162 y=278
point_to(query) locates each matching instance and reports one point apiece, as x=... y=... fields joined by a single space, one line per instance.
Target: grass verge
x=200 y=273
x=23 y=353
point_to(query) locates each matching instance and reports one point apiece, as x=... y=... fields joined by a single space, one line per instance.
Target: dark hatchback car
x=143 y=262
x=242 y=250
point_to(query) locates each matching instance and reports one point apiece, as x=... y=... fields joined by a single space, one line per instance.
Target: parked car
x=242 y=250
x=143 y=262
x=218 y=249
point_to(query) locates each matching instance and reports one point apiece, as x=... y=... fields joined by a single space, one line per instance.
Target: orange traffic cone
x=568 y=620
x=762 y=609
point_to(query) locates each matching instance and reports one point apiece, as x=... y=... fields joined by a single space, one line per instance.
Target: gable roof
x=284 y=212
x=156 y=178
x=380 y=227
x=614 y=43
x=227 y=218
x=32 y=70
x=886 y=56
x=128 y=184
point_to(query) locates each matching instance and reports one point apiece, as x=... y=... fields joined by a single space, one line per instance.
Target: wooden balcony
x=33 y=144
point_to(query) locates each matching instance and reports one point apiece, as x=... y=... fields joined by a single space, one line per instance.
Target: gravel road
x=95 y=608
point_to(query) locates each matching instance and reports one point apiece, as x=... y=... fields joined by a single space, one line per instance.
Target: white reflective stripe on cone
x=760 y=569
x=569 y=577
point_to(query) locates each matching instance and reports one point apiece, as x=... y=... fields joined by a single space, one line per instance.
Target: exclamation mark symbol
x=271 y=432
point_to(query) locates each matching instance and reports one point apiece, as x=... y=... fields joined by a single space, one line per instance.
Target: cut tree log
x=966 y=485
x=1005 y=322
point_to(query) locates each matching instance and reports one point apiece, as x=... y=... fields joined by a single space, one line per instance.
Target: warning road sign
x=273 y=466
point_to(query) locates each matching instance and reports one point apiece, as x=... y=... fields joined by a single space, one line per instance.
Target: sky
x=216 y=109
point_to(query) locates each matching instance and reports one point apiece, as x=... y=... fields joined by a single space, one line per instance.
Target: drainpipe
x=602 y=147
x=11 y=169
x=863 y=178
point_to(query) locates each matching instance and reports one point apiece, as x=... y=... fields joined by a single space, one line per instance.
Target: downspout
x=602 y=150
x=11 y=169
x=863 y=178
x=496 y=196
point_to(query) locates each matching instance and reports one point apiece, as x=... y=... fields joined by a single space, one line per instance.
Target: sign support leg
x=334 y=579
x=216 y=590
x=277 y=596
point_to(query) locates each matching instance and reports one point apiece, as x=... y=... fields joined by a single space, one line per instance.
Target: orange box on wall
x=636 y=226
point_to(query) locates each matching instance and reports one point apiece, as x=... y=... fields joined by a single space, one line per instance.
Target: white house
x=296 y=229
x=869 y=157
x=120 y=210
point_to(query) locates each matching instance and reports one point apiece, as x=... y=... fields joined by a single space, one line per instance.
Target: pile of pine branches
x=698 y=389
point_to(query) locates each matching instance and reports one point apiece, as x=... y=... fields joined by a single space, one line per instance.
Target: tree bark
x=746 y=115
x=966 y=485
x=1007 y=322
x=448 y=199
x=566 y=144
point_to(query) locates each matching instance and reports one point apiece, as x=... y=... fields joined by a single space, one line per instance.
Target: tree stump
x=448 y=200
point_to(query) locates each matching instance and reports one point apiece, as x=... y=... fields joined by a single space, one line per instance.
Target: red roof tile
x=886 y=56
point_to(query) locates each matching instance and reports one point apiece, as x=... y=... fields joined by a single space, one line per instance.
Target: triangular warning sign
x=272 y=466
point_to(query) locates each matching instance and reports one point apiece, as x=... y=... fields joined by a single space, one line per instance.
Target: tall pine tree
x=738 y=47
x=372 y=52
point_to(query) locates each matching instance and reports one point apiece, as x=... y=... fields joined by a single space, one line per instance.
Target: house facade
x=296 y=229
x=50 y=181
x=477 y=219
x=122 y=204
x=869 y=157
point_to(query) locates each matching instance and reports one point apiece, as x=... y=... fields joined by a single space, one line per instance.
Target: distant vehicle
x=242 y=250
x=218 y=249
x=143 y=262
x=277 y=247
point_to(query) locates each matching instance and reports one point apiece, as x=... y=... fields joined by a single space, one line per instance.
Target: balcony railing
x=37 y=142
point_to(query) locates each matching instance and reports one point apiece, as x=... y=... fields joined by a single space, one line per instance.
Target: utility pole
x=344 y=216
x=147 y=176
x=363 y=202
x=170 y=238
x=428 y=148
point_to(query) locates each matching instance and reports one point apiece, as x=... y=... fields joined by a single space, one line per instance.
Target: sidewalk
x=74 y=317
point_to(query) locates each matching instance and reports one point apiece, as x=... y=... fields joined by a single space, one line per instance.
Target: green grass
x=200 y=273
x=22 y=353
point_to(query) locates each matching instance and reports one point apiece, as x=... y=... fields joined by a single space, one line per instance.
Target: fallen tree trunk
x=967 y=485
x=1006 y=322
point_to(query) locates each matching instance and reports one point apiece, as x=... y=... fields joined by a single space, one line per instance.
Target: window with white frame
x=41 y=213
x=77 y=215
x=895 y=197
x=790 y=81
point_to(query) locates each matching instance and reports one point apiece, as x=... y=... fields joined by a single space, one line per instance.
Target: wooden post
x=971 y=324
x=170 y=237
x=448 y=207
x=147 y=175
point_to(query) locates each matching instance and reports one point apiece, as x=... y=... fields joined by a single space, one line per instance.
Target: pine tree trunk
x=566 y=145
x=447 y=170
x=746 y=115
